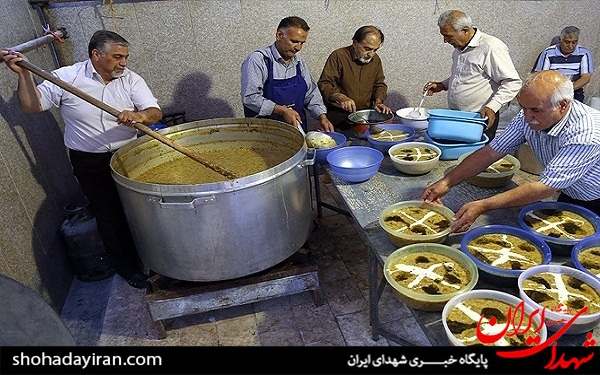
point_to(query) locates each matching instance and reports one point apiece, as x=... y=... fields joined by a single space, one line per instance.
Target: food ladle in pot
x=105 y=107
x=374 y=129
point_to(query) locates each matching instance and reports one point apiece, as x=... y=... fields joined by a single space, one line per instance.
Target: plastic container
x=158 y=126
x=559 y=246
x=421 y=300
x=497 y=296
x=355 y=163
x=498 y=275
x=418 y=123
x=452 y=125
x=495 y=178
x=583 y=245
x=384 y=145
x=400 y=239
x=452 y=150
x=556 y=320
x=414 y=167
x=321 y=153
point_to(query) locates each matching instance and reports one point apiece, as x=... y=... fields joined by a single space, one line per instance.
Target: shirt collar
x=575 y=51
x=475 y=39
x=556 y=128
x=278 y=58
x=91 y=72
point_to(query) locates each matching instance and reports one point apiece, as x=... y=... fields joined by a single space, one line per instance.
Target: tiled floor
x=111 y=313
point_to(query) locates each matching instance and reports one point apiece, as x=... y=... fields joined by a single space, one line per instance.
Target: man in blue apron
x=277 y=83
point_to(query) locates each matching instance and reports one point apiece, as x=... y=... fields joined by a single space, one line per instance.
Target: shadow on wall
x=191 y=96
x=395 y=100
x=44 y=149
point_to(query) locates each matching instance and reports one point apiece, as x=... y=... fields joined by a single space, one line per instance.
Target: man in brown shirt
x=353 y=79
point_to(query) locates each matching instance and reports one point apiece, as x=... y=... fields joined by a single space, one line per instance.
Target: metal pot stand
x=169 y=298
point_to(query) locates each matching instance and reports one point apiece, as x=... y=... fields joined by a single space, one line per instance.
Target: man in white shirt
x=92 y=135
x=483 y=77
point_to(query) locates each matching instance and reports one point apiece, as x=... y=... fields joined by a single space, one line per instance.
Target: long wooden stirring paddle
x=105 y=107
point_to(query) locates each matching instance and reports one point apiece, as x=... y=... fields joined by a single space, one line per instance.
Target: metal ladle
x=374 y=129
x=416 y=113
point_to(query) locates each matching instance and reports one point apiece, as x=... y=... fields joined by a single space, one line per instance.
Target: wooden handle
x=105 y=107
x=72 y=89
x=186 y=151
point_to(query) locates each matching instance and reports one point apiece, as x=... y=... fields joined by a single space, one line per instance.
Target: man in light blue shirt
x=565 y=137
x=276 y=82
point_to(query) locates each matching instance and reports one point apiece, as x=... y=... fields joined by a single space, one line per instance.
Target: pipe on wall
x=37 y=6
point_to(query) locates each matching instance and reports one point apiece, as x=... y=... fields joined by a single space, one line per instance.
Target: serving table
x=366 y=200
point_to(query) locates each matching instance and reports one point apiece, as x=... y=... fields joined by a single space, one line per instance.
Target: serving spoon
x=416 y=113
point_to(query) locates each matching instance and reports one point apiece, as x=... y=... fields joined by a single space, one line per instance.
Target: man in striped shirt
x=564 y=135
x=569 y=59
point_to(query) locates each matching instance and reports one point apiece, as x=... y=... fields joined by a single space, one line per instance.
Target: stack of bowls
x=455 y=132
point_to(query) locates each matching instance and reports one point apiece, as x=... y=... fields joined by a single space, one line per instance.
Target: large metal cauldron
x=217 y=231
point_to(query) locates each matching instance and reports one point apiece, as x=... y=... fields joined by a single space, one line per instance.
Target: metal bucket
x=222 y=230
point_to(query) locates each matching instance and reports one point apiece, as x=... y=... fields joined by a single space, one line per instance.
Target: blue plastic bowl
x=559 y=246
x=453 y=125
x=452 y=150
x=384 y=146
x=589 y=242
x=321 y=153
x=355 y=163
x=497 y=275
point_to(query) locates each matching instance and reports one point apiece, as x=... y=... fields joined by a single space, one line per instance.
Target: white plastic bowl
x=554 y=319
x=493 y=295
x=414 y=167
x=418 y=123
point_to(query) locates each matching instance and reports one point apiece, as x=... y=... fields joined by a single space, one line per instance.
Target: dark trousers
x=593 y=206
x=578 y=95
x=94 y=176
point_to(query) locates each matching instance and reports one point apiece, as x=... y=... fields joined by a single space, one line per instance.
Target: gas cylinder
x=84 y=246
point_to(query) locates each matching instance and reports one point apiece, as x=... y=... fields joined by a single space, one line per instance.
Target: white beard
x=365 y=60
